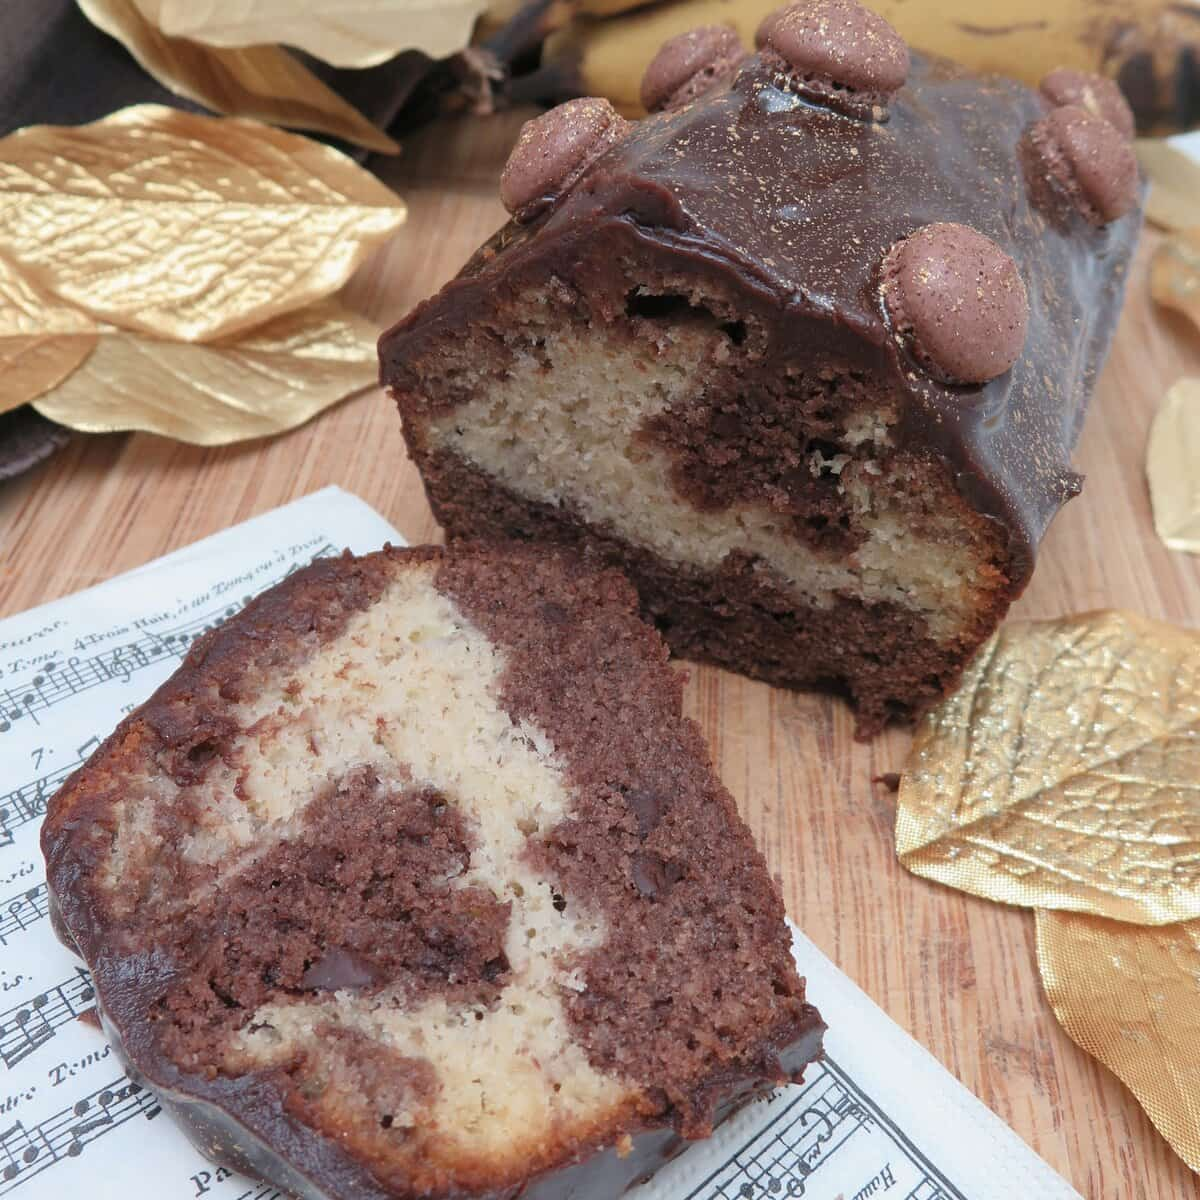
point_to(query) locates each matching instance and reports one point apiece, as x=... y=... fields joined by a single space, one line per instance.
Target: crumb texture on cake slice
x=425 y=843
x=660 y=426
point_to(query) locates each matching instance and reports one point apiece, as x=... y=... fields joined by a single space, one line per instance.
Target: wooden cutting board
x=957 y=973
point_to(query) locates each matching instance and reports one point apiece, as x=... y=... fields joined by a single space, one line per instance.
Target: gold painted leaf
x=1065 y=771
x=41 y=340
x=1173 y=467
x=267 y=381
x=264 y=83
x=184 y=226
x=361 y=34
x=1130 y=997
x=1174 y=199
x=1175 y=273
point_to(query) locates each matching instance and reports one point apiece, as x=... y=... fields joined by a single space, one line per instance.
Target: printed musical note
x=18 y=1149
x=95 y=1116
x=28 y=1026
x=810 y=1126
x=53 y=683
x=118 y=665
x=28 y=802
x=66 y=1134
x=16 y=704
x=18 y=912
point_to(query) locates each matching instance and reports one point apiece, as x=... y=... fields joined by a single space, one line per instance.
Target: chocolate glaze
x=791 y=207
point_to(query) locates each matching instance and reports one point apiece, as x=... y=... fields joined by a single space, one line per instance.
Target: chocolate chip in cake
x=647 y=807
x=957 y=301
x=336 y=970
x=1086 y=160
x=653 y=876
x=554 y=151
x=690 y=64
x=841 y=53
x=1100 y=96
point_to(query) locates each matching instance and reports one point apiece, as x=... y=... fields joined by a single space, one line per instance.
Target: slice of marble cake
x=414 y=882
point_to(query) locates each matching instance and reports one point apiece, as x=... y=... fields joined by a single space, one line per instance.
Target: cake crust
x=381 y=880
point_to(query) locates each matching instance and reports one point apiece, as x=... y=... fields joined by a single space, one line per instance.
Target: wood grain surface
x=958 y=973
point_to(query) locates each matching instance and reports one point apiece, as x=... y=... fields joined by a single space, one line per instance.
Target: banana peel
x=1150 y=47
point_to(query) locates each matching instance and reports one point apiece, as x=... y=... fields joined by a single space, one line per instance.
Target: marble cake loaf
x=413 y=883
x=805 y=351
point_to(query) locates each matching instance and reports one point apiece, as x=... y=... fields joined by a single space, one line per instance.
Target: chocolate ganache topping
x=792 y=207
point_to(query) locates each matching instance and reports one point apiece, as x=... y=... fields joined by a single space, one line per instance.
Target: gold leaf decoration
x=1175 y=274
x=1173 y=467
x=184 y=226
x=1065 y=771
x=41 y=340
x=1130 y=997
x=264 y=83
x=361 y=34
x=1174 y=199
x=267 y=381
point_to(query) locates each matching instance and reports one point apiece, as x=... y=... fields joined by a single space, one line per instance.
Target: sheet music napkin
x=878 y=1118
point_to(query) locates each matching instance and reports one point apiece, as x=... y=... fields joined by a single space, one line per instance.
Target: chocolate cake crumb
x=878 y=656
x=659 y=869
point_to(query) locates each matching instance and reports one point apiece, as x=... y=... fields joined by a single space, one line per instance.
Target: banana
x=1151 y=47
x=499 y=13
x=609 y=8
